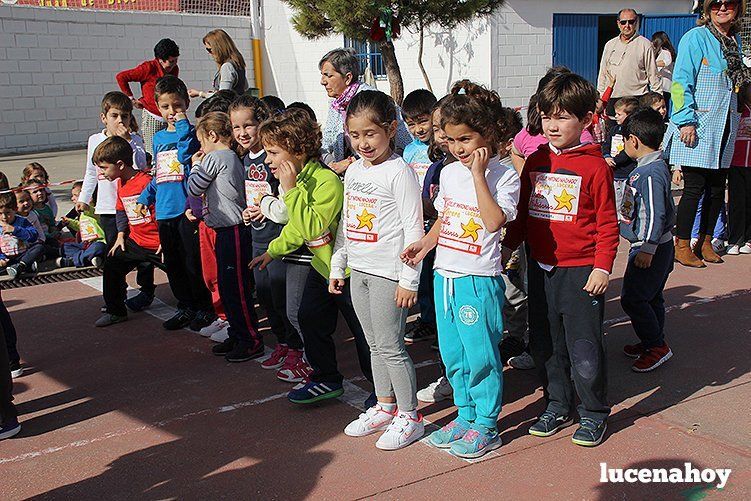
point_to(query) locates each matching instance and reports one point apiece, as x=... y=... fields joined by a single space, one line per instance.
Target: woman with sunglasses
x=230 y=74
x=629 y=60
x=708 y=73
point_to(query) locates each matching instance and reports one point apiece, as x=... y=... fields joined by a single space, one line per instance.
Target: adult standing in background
x=166 y=53
x=629 y=59
x=665 y=53
x=230 y=64
x=704 y=123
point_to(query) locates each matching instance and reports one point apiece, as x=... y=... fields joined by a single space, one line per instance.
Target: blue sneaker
x=477 y=442
x=590 y=432
x=9 y=429
x=449 y=434
x=311 y=392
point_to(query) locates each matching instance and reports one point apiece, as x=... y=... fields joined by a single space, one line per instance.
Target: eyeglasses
x=624 y=22
x=208 y=49
x=729 y=4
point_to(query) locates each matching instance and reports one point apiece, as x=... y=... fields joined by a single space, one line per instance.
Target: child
x=656 y=101
x=274 y=103
x=26 y=209
x=137 y=238
x=89 y=248
x=477 y=196
x=739 y=183
x=38 y=193
x=417 y=113
x=381 y=212
x=116 y=114
x=650 y=260
x=217 y=175
x=246 y=114
x=166 y=54
x=35 y=170
x=612 y=148
x=313 y=196
x=567 y=217
x=19 y=246
x=167 y=191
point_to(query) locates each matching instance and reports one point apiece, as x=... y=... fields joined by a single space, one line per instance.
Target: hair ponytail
x=476 y=107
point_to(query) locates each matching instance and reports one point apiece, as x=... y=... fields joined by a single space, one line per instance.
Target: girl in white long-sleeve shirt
x=382 y=212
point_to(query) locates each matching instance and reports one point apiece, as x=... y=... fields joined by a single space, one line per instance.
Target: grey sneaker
x=548 y=424
x=590 y=432
x=97 y=261
x=108 y=319
x=14 y=270
x=436 y=391
x=522 y=362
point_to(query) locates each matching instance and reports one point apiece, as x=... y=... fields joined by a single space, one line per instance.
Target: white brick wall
x=55 y=66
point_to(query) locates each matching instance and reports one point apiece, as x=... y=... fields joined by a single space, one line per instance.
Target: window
x=368 y=55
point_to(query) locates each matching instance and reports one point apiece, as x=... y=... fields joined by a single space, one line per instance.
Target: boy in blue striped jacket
x=647 y=217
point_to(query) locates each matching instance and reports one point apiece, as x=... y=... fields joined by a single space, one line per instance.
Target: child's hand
x=480 y=158
x=136 y=103
x=255 y=213
x=3 y=262
x=180 y=116
x=341 y=166
x=597 y=283
x=197 y=157
x=122 y=131
x=677 y=176
x=194 y=92
x=141 y=210
x=405 y=298
x=287 y=175
x=7 y=228
x=119 y=244
x=261 y=261
x=247 y=216
x=81 y=207
x=610 y=162
x=643 y=260
x=189 y=216
x=336 y=285
x=415 y=252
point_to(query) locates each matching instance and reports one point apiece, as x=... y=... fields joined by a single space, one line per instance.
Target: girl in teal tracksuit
x=477 y=197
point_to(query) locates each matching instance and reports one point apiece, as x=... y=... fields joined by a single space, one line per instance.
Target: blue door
x=575 y=43
x=675 y=25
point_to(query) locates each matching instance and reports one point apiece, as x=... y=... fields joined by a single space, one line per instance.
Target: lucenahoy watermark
x=688 y=474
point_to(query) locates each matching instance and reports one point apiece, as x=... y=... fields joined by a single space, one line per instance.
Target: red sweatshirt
x=567 y=209
x=146 y=73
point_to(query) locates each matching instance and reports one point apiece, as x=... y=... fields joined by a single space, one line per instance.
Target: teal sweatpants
x=470 y=325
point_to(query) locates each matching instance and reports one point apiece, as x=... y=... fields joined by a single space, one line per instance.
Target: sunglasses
x=208 y=49
x=624 y=22
x=729 y=4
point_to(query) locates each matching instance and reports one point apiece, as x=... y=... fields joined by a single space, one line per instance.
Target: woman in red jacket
x=147 y=73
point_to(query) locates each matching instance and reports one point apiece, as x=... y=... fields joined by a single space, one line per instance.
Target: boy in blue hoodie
x=647 y=220
x=168 y=193
x=20 y=248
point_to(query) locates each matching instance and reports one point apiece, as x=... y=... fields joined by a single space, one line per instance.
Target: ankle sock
x=387 y=407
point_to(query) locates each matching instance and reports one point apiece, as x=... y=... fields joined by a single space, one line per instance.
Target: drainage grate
x=50 y=277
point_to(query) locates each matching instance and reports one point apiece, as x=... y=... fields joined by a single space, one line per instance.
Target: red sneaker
x=633 y=350
x=295 y=368
x=276 y=359
x=652 y=358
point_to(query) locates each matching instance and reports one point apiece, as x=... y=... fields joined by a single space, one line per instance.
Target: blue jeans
x=720 y=228
x=81 y=254
x=425 y=290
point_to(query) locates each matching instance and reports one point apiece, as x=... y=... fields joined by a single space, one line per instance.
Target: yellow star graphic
x=470 y=229
x=564 y=201
x=175 y=167
x=365 y=220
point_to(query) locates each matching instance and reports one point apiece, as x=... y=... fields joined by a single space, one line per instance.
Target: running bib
x=461 y=228
x=255 y=191
x=555 y=197
x=87 y=227
x=168 y=167
x=420 y=169
x=130 y=210
x=11 y=246
x=616 y=145
x=362 y=218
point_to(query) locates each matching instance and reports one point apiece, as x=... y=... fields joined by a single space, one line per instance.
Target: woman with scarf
x=701 y=136
x=340 y=72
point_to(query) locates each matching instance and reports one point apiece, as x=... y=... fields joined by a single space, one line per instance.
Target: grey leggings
x=383 y=324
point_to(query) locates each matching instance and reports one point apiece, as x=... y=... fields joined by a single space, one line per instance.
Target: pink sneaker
x=295 y=368
x=277 y=357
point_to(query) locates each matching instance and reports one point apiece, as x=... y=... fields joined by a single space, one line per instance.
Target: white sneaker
x=220 y=336
x=733 y=250
x=213 y=327
x=745 y=248
x=402 y=431
x=371 y=421
x=522 y=362
x=436 y=391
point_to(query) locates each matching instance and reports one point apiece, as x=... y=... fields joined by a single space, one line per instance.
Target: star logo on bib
x=564 y=200
x=174 y=167
x=365 y=220
x=471 y=229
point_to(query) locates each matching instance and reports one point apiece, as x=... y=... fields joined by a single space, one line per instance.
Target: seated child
x=650 y=260
x=35 y=170
x=19 y=246
x=26 y=209
x=137 y=233
x=43 y=210
x=89 y=248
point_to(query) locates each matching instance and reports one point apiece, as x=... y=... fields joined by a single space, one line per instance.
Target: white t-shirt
x=666 y=72
x=381 y=215
x=464 y=247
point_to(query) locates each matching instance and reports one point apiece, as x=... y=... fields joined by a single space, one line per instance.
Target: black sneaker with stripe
x=310 y=392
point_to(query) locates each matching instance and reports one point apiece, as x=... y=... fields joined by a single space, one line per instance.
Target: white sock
x=412 y=414
x=390 y=408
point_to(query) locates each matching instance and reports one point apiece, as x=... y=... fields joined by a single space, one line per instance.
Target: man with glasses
x=628 y=63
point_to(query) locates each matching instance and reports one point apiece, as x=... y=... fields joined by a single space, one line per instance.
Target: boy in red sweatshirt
x=567 y=217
